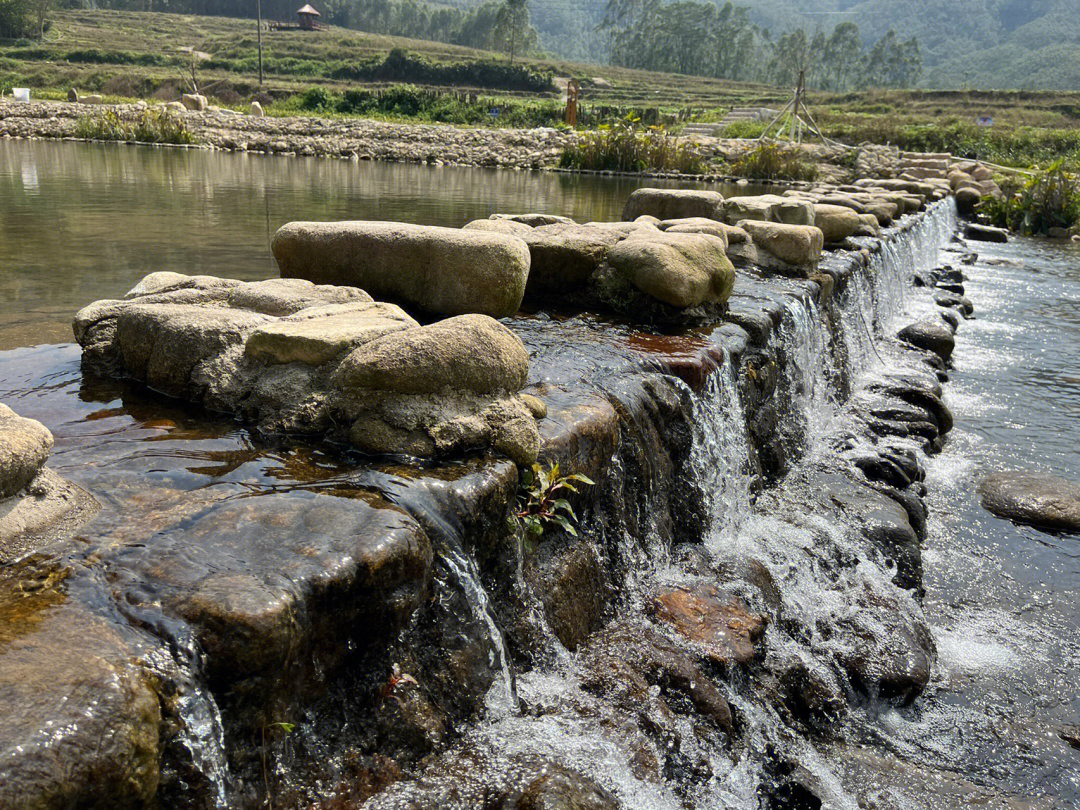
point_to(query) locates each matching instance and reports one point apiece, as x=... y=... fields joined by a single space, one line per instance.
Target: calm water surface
x=80 y=222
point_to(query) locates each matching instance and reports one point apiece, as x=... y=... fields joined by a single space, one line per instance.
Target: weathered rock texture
x=295 y=357
x=441 y=271
x=669 y=203
x=1042 y=500
x=36 y=505
x=636 y=268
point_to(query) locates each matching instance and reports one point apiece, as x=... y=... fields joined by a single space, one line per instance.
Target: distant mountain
x=1023 y=44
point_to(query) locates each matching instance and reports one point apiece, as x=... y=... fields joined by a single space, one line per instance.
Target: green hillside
x=1020 y=44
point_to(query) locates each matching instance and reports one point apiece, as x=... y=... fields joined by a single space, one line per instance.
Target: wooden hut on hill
x=307 y=18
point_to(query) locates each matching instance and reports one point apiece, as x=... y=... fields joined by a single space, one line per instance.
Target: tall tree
x=842 y=57
x=513 y=28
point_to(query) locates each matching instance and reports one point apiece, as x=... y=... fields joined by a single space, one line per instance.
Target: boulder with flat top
x=672 y=203
x=437 y=271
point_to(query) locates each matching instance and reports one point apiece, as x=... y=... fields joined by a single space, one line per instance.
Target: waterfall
x=796 y=549
x=720 y=457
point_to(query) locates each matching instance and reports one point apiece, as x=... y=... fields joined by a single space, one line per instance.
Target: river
x=80 y=222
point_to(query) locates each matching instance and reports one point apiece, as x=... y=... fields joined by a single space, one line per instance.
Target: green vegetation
x=542 y=503
x=401 y=66
x=128 y=55
x=703 y=39
x=407 y=102
x=151 y=126
x=773 y=161
x=625 y=146
x=24 y=18
x=1050 y=199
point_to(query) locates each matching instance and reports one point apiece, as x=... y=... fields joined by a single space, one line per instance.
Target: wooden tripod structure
x=795 y=119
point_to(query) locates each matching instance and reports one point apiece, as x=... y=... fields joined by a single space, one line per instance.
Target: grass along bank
x=344 y=73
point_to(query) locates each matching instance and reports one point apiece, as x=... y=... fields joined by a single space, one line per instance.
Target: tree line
x=24 y=18
x=705 y=39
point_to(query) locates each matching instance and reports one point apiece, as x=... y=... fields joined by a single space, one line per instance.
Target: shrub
x=772 y=161
x=745 y=129
x=408 y=101
x=1050 y=199
x=401 y=66
x=151 y=126
x=627 y=147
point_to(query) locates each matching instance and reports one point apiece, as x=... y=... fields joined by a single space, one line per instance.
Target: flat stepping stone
x=315 y=341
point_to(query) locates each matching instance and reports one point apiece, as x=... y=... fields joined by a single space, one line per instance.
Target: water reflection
x=81 y=222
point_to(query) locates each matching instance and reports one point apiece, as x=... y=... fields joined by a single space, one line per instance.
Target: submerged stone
x=724 y=629
x=1042 y=500
x=82 y=717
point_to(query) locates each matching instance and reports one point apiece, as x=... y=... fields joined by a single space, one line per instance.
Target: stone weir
x=379 y=631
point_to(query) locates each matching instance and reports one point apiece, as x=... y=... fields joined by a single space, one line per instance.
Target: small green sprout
x=542 y=503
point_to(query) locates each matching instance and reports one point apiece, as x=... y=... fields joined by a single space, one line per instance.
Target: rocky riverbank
x=362 y=139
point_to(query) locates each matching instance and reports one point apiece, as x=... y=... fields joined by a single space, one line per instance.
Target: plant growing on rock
x=771 y=161
x=542 y=502
x=626 y=146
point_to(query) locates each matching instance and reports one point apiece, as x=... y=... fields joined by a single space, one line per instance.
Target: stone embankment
x=360 y=139
x=189 y=631
x=341 y=138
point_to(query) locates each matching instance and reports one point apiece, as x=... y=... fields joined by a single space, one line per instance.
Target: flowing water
x=80 y=223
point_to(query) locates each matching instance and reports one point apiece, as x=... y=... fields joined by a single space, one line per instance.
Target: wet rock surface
x=374 y=605
x=1042 y=500
x=725 y=630
x=297 y=357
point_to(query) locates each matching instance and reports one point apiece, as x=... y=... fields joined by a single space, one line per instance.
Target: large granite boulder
x=25 y=445
x=790 y=249
x=672 y=203
x=836 y=222
x=296 y=357
x=1042 y=500
x=439 y=271
x=767 y=208
x=565 y=256
x=679 y=269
